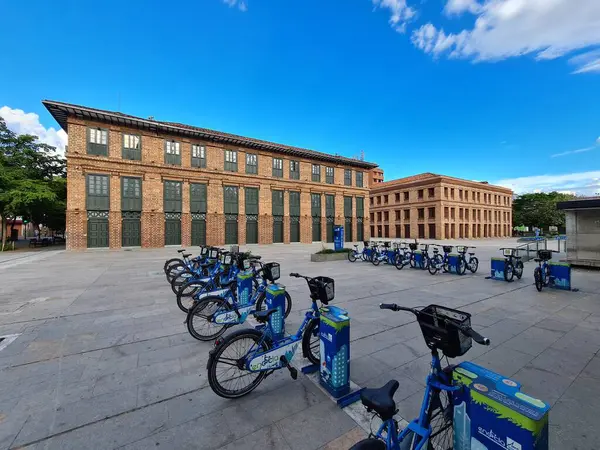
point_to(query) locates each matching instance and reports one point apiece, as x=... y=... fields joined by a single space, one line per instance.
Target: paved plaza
x=103 y=360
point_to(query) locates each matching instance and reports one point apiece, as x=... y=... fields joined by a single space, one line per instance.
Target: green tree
x=539 y=210
x=32 y=179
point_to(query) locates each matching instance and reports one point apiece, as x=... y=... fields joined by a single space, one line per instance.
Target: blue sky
x=501 y=90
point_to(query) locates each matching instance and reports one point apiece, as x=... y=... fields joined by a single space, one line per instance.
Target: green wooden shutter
x=277 y=203
x=329 y=215
x=294 y=199
x=230 y=199
x=172 y=196
x=360 y=207
x=294 y=203
x=131 y=194
x=197 y=198
x=98 y=192
x=251 y=197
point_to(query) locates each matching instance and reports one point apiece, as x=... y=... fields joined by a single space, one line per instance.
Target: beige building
x=432 y=206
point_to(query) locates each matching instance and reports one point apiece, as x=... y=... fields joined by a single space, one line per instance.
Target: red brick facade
x=430 y=206
x=153 y=172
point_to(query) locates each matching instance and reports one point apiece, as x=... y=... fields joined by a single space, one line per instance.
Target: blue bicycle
x=243 y=359
x=212 y=312
x=407 y=256
x=364 y=255
x=446 y=330
x=387 y=256
x=440 y=262
x=177 y=276
x=176 y=265
x=541 y=273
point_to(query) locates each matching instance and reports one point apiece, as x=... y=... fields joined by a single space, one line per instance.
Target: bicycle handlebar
x=481 y=340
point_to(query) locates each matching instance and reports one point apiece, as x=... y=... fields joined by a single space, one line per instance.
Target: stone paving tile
x=542 y=384
x=504 y=360
x=560 y=362
x=395 y=356
x=346 y=441
x=365 y=368
x=294 y=428
x=533 y=341
x=592 y=370
x=268 y=438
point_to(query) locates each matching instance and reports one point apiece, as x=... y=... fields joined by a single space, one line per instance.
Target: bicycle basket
x=365 y=243
x=234 y=249
x=245 y=264
x=461 y=249
x=203 y=251
x=386 y=244
x=214 y=253
x=508 y=252
x=438 y=326
x=447 y=248
x=271 y=271
x=225 y=258
x=322 y=288
x=546 y=255
x=412 y=246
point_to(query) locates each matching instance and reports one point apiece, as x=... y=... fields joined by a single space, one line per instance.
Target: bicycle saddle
x=186 y=255
x=474 y=253
x=381 y=400
x=255 y=257
x=369 y=444
x=181 y=251
x=263 y=316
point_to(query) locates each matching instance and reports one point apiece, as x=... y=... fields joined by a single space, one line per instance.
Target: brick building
x=143 y=182
x=431 y=206
x=375 y=176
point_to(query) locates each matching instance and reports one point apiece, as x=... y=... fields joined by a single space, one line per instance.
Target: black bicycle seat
x=186 y=255
x=181 y=251
x=369 y=444
x=471 y=253
x=381 y=400
x=255 y=257
x=263 y=316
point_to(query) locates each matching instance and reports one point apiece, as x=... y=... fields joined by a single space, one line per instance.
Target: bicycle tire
x=375 y=260
x=399 y=262
x=537 y=277
x=474 y=264
x=519 y=269
x=509 y=272
x=351 y=257
x=180 y=279
x=253 y=336
x=424 y=265
x=440 y=417
x=461 y=268
x=203 y=309
x=308 y=345
x=174 y=269
x=181 y=298
x=547 y=278
x=433 y=266
x=168 y=262
x=288 y=303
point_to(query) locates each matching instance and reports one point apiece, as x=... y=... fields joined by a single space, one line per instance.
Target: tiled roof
x=61 y=111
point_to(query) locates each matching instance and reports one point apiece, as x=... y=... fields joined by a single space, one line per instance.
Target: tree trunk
x=3 y=232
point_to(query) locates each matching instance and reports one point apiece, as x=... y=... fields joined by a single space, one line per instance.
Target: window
x=406 y=196
x=379 y=199
x=452 y=213
x=421 y=213
x=407 y=214
x=197 y=198
x=397 y=197
x=347 y=177
x=452 y=193
x=446 y=192
x=131 y=194
x=466 y=215
x=198 y=156
x=359 y=179
x=231 y=160
x=466 y=198
x=172 y=153
x=460 y=213
x=431 y=192
x=479 y=197
x=446 y=212
x=98 y=197
x=407 y=231
x=294 y=170
x=278 y=167
x=431 y=213
x=251 y=163
x=485 y=215
x=97 y=142
x=379 y=216
x=172 y=196
x=398 y=215
x=372 y=217
x=386 y=216
x=460 y=194
x=131 y=147
x=371 y=200
x=316 y=172
x=385 y=199
x=329 y=175
x=420 y=194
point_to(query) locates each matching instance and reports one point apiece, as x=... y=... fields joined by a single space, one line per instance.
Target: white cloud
x=240 y=4
x=460 y=6
x=582 y=183
x=400 y=12
x=547 y=29
x=21 y=122
x=572 y=152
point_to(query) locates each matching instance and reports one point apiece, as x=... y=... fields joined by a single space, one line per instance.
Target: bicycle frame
x=436 y=380
x=239 y=314
x=271 y=359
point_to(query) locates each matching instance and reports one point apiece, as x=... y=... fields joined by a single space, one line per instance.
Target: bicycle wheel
x=537 y=276
x=227 y=375
x=178 y=280
x=174 y=269
x=424 y=265
x=435 y=262
x=199 y=319
x=399 y=262
x=375 y=260
x=351 y=257
x=509 y=272
x=440 y=417
x=172 y=261
x=413 y=261
x=519 y=269
x=462 y=266
x=187 y=290
x=311 y=342
x=547 y=278
x=474 y=264
x=261 y=303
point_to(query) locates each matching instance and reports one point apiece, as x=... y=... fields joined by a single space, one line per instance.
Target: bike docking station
x=497 y=269
x=333 y=377
x=453 y=262
x=491 y=413
x=560 y=276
